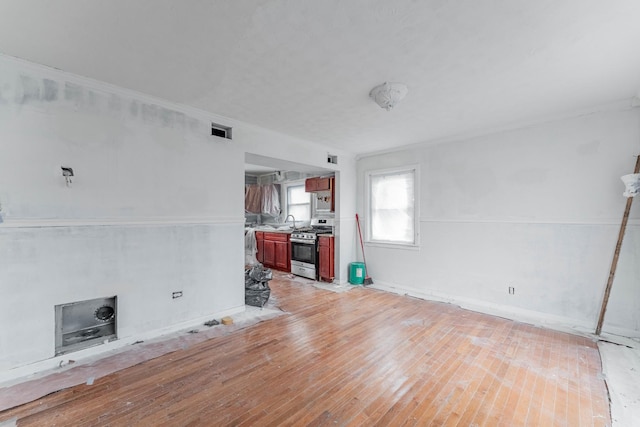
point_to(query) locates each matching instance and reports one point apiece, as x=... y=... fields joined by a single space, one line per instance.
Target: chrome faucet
x=293 y=218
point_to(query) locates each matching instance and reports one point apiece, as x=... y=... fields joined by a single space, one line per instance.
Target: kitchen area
x=290 y=221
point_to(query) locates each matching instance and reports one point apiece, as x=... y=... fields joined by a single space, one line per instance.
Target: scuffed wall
x=146 y=213
x=537 y=209
x=131 y=158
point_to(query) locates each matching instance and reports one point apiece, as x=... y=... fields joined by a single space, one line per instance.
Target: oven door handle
x=306 y=242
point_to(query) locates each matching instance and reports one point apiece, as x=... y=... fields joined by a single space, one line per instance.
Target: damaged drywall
x=140 y=219
x=27 y=89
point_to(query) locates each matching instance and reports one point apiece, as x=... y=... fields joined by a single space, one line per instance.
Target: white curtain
x=263 y=199
x=270 y=200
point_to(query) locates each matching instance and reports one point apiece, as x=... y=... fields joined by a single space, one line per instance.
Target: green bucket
x=357 y=273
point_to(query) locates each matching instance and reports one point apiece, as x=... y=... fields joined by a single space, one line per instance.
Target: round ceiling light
x=387 y=95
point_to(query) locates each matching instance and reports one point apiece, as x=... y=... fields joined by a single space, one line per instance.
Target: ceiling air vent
x=333 y=159
x=221 y=131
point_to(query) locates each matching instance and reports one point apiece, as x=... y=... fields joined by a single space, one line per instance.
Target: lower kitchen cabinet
x=282 y=258
x=269 y=257
x=326 y=258
x=274 y=250
x=260 y=246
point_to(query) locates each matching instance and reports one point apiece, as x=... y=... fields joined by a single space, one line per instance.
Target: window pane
x=297 y=195
x=392 y=207
x=298 y=203
x=300 y=212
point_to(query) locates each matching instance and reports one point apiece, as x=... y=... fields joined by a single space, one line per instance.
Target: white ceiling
x=260 y=165
x=305 y=67
x=258 y=169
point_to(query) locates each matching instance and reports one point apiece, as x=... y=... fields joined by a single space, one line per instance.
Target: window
x=392 y=206
x=298 y=202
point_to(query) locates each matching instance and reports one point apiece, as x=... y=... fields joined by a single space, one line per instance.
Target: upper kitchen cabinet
x=324 y=192
x=312 y=185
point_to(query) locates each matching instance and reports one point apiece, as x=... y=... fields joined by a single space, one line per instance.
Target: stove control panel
x=303 y=236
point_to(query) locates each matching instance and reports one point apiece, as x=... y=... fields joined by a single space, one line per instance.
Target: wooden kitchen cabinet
x=326 y=258
x=269 y=257
x=276 y=251
x=260 y=246
x=320 y=185
x=312 y=185
x=282 y=256
x=323 y=184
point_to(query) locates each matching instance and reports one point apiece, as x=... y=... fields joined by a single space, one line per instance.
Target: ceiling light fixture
x=387 y=95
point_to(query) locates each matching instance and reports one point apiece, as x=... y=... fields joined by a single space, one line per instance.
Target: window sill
x=389 y=245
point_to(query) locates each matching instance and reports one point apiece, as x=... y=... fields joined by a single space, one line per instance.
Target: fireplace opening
x=83 y=324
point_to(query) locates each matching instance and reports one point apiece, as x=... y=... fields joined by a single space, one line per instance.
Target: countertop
x=271 y=230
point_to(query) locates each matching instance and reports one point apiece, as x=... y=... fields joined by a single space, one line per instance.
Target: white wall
x=347 y=246
x=537 y=209
x=156 y=206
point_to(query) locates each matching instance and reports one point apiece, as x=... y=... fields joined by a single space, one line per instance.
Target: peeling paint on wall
x=92 y=98
x=73 y=92
x=115 y=103
x=134 y=108
x=180 y=119
x=194 y=124
x=50 y=90
x=149 y=113
x=30 y=90
x=27 y=89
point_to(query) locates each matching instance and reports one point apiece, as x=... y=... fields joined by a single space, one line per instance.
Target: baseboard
x=620 y=332
x=559 y=323
x=36 y=369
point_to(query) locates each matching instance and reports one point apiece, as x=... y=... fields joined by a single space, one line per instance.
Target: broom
x=367 y=279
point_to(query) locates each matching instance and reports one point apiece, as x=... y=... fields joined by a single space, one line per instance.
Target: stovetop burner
x=318 y=226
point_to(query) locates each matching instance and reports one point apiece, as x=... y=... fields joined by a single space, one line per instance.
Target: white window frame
x=416 y=207
x=285 y=194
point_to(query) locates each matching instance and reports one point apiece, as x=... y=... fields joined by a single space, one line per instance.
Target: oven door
x=304 y=252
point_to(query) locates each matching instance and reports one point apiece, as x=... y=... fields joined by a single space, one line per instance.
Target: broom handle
x=361 y=243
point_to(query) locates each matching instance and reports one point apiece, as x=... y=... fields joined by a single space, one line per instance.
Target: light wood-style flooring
x=362 y=357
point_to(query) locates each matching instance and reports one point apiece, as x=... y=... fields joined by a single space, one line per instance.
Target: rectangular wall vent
x=333 y=159
x=83 y=324
x=221 y=131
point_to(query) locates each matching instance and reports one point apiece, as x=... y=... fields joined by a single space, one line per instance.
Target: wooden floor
x=363 y=357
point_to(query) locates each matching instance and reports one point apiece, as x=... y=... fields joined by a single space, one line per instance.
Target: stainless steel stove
x=304 y=247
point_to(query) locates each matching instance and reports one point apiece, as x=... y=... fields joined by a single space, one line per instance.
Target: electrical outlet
x=512 y=290
x=176 y=294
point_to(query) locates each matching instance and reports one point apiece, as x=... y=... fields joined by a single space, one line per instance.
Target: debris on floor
x=13 y=422
x=256 y=285
x=621 y=369
x=227 y=321
x=211 y=323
